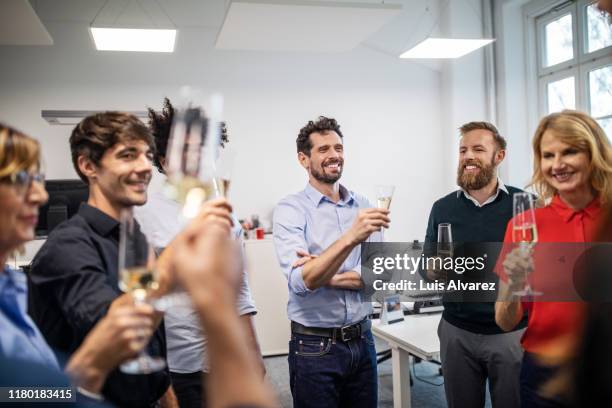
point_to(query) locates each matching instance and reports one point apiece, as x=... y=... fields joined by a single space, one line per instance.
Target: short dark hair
x=499 y=140
x=161 y=125
x=97 y=133
x=321 y=125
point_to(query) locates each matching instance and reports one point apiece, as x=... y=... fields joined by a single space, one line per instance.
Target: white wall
x=399 y=118
x=464 y=93
x=516 y=121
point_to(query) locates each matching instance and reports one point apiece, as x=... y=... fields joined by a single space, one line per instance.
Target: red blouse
x=553 y=327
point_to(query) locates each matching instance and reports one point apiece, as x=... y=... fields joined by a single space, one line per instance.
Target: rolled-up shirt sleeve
x=288 y=232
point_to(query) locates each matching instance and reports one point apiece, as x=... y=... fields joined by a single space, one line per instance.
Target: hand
x=217 y=212
x=304 y=257
x=518 y=263
x=434 y=273
x=208 y=264
x=367 y=222
x=117 y=337
x=127 y=299
x=125 y=330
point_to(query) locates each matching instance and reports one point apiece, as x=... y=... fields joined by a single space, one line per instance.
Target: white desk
x=416 y=335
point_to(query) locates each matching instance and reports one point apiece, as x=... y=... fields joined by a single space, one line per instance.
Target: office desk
x=416 y=335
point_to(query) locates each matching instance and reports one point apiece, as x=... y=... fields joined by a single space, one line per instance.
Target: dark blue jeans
x=330 y=373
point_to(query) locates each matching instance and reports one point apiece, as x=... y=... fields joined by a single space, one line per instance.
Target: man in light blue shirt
x=317 y=234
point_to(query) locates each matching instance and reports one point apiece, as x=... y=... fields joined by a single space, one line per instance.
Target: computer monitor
x=65 y=197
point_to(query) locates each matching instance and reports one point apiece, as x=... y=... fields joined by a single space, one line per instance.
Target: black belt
x=345 y=333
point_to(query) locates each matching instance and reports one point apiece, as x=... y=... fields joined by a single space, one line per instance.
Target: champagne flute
x=190 y=162
x=445 y=240
x=223 y=170
x=384 y=195
x=138 y=277
x=524 y=230
x=193 y=151
x=445 y=244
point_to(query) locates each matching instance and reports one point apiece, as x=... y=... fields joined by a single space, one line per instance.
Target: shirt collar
x=103 y=223
x=500 y=187
x=567 y=213
x=14 y=278
x=346 y=196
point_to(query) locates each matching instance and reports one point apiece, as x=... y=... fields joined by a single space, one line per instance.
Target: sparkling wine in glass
x=384 y=195
x=224 y=167
x=445 y=240
x=445 y=244
x=524 y=230
x=138 y=277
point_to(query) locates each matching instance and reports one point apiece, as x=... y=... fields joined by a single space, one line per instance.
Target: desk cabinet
x=269 y=290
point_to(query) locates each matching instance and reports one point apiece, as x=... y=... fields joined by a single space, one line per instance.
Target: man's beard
x=475 y=181
x=327 y=178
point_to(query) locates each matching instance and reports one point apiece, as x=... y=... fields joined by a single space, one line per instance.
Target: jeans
x=325 y=372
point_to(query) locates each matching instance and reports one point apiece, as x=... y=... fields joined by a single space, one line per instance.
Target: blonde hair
x=581 y=131
x=17 y=151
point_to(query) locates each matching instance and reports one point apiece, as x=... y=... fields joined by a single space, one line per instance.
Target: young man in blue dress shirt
x=317 y=234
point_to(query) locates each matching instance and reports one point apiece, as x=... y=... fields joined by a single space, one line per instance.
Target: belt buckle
x=346 y=332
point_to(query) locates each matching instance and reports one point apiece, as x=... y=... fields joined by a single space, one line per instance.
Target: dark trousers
x=330 y=373
x=469 y=359
x=533 y=377
x=189 y=389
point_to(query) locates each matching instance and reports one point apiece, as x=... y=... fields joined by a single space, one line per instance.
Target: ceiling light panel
x=133 y=39
x=433 y=48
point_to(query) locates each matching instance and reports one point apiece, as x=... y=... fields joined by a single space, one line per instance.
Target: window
x=575 y=61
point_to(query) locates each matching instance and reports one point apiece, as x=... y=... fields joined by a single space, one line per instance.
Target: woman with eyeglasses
x=119 y=336
x=204 y=262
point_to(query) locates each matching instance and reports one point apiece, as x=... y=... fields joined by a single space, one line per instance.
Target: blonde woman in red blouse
x=573 y=176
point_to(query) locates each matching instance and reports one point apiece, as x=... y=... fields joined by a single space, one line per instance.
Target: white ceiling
x=298 y=25
x=416 y=19
x=19 y=25
x=182 y=13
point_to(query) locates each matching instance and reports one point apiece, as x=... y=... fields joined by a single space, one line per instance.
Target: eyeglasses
x=23 y=179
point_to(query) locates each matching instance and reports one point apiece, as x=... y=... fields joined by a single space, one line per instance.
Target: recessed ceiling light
x=133 y=39
x=444 y=48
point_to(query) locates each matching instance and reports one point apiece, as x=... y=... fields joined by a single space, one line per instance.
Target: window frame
x=554 y=77
x=537 y=14
x=541 y=23
x=587 y=68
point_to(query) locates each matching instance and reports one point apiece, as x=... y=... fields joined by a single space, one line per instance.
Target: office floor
x=423 y=395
